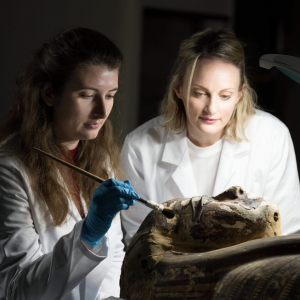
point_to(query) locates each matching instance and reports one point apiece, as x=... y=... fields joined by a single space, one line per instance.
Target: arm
x=283 y=182
x=25 y=271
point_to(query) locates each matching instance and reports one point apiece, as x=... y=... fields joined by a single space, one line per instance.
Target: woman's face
x=83 y=106
x=214 y=92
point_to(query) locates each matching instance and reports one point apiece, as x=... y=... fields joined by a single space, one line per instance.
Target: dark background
x=148 y=33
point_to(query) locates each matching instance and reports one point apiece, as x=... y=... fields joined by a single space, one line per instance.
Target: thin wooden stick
x=79 y=170
x=158 y=207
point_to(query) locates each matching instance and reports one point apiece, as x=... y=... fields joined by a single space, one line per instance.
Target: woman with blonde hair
x=60 y=232
x=211 y=135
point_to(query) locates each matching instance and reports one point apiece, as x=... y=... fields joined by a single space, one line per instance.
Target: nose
x=211 y=105
x=99 y=110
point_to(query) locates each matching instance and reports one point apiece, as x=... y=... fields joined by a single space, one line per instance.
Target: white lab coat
x=41 y=261
x=158 y=164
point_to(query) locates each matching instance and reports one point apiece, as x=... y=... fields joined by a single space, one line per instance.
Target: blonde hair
x=209 y=44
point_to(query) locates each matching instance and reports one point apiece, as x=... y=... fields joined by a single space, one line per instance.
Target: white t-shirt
x=205 y=162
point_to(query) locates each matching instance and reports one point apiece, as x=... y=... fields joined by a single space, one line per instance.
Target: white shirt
x=205 y=161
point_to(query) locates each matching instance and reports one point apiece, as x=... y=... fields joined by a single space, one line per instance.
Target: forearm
x=57 y=273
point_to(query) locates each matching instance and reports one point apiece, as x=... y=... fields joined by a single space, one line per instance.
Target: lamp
x=288 y=65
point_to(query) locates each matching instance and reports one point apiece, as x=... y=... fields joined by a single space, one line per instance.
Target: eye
x=86 y=96
x=225 y=97
x=110 y=96
x=199 y=94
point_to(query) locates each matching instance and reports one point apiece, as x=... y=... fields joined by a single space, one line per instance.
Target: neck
x=204 y=140
x=70 y=145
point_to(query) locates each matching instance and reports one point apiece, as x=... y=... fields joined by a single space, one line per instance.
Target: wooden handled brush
x=168 y=213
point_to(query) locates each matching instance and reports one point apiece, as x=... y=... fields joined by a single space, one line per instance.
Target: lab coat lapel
x=176 y=153
x=228 y=165
x=73 y=211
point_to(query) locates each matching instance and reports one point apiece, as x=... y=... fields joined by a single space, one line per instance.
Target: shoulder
x=266 y=123
x=149 y=132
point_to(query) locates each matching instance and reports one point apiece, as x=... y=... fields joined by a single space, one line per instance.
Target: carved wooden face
x=207 y=223
x=164 y=251
x=174 y=257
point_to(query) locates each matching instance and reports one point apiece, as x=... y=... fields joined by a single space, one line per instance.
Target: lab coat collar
x=228 y=163
x=175 y=147
x=73 y=211
x=176 y=153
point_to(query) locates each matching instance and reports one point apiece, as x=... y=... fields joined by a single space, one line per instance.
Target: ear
x=178 y=92
x=241 y=92
x=47 y=93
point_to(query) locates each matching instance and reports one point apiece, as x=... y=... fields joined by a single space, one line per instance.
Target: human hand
x=108 y=199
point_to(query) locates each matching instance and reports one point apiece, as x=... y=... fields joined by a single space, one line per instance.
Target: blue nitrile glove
x=107 y=200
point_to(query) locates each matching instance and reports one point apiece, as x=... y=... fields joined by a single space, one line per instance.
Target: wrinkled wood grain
x=185 y=257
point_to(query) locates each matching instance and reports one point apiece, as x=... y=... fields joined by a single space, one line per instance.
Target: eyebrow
x=202 y=87
x=94 y=89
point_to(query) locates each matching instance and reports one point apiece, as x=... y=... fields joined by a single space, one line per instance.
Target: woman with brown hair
x=60 y=232
x=211 y=135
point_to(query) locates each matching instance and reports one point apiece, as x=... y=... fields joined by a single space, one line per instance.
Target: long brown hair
x=209 y=44
x=31 y=119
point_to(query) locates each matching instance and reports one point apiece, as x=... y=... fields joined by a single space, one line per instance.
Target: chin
x=88 y=137
x=210 y=130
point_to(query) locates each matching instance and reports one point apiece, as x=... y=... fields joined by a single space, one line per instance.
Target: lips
x=208 y=120
x=92 y=125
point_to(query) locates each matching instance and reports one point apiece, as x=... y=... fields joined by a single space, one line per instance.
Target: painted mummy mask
x=187 y=257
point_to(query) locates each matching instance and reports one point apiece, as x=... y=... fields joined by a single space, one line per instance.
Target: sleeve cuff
x=98 y=253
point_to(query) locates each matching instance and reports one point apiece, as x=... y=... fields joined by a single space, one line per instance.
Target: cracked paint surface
x=201 y=224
